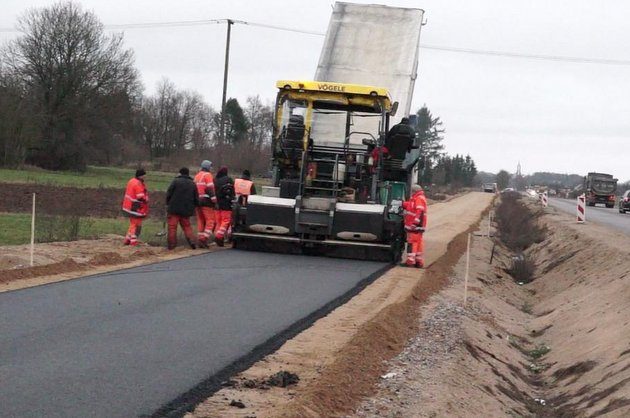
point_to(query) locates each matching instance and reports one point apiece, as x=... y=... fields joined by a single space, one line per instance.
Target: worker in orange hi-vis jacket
x=136 y=206
x=205 y=209
x=415 y=219
x=244 y=187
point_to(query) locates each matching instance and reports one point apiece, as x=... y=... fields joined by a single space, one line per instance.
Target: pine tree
x=430 y=135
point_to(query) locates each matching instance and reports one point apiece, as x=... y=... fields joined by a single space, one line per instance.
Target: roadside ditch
x=341 y=357
x=545 y=333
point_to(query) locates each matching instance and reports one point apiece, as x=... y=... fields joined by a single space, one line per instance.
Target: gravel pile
x=409 y=373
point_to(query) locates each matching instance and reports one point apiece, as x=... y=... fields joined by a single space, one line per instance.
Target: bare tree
x=201 y=129
x=174 y=120
x=16 y=120
x=260 y=117
x=72 y=70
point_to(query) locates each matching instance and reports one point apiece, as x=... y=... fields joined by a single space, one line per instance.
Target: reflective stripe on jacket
x=136 y=200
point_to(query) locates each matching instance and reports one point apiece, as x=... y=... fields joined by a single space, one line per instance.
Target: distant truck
x=600 y=188
x=489 y=187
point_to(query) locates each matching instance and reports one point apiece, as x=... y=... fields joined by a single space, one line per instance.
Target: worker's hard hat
x=207 y=164
x=416 y=188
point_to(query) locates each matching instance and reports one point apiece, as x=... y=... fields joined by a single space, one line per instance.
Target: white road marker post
x=33 y=231
x=467 y=268
x=581 y=208
x=489 y=222
x=544 y=199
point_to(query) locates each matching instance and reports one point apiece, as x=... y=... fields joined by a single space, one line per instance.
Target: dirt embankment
x=556 y=347
x=56 y=200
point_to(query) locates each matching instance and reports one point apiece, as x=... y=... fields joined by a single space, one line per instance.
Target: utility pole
x=225 y=79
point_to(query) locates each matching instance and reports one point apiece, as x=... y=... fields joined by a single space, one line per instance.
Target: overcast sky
x=550 y=115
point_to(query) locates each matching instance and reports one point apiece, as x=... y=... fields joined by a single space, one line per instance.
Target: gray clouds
x=552 y=116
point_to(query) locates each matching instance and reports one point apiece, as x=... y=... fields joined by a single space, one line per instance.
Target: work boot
x=203 y=243
x=420 y=264
x=191 y=243
x=219 y=241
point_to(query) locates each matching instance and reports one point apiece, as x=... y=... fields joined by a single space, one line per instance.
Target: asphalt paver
x=126 y=343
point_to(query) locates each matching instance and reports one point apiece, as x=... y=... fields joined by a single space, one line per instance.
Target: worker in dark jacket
x=181 y=199
x=224 y=190
x=400 y=139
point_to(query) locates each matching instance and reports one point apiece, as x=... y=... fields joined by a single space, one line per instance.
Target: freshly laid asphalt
x=132 y=342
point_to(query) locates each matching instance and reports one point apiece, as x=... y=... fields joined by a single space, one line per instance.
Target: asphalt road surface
x=127 y=343
x=600 y=214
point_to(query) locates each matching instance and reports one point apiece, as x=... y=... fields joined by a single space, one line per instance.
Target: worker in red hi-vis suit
x=136 y=206
x=415 y=219
x=224 y=189
x=205 y=211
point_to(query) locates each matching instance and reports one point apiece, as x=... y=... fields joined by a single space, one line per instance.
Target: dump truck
x=600 y=188
x=337 y=189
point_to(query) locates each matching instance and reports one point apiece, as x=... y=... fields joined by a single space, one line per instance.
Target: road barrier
x=581 y=208
x=544 y=199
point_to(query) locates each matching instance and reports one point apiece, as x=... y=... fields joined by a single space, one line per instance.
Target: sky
x=549 y=115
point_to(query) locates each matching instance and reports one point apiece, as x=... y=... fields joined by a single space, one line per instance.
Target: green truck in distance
x=600 y=188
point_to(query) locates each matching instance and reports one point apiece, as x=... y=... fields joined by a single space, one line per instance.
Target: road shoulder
x=341 y=356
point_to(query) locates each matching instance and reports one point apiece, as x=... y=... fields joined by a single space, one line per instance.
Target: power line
x=579 y=60
x=505 y=54
x=180 y=23
x=264 y=25
x=148 y=25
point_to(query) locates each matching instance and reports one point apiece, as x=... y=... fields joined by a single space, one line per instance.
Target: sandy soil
x=557 y=347
x=58 y=261
x=339 y=359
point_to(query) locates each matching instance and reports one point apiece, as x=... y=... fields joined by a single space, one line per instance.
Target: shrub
x=522 y=268
x=51 y=228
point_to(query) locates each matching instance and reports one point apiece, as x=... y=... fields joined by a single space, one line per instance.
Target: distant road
x=599 y=214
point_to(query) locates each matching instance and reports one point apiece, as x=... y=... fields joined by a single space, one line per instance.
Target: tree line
x=70 y=96
x=435 y=166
